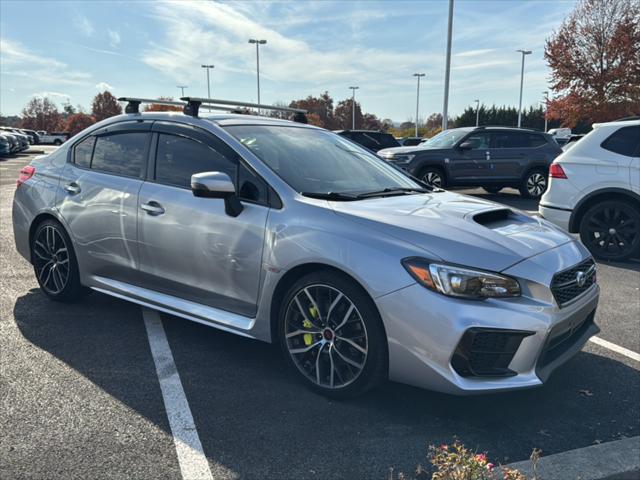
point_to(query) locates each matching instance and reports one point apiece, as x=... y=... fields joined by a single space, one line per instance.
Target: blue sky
x=73 y=50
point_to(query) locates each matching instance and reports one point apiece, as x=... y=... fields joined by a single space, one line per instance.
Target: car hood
x=457 y=228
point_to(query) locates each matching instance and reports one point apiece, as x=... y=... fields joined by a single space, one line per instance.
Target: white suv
x=594 y=190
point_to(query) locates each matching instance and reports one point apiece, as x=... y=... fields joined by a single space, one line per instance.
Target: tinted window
x=479 y=140
x=122 y=154
x=536 y=140
x=385 y=140
x=250 y=186
x=82 y=152
x=625 y=141
x=178 y=158
x=510 y=140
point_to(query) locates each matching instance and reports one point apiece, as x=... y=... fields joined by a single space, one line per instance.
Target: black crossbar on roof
x=133 y=104
x=233 y=103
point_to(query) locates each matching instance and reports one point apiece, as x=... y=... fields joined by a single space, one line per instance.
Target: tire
x=534 y=184
x=492 y=189
x=433 y=176
x=312 y=335
x=611 y=230
x=54 y=262
x=57 y=142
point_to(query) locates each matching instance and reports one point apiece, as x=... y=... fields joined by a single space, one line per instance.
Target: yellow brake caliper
x=308 y=338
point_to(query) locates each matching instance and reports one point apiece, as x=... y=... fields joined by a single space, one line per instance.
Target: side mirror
x=466 y=145
x=217 y=185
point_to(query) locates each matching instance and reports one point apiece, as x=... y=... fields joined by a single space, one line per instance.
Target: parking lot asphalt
x=81 y=396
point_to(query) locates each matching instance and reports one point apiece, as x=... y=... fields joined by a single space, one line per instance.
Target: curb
x=617 y=460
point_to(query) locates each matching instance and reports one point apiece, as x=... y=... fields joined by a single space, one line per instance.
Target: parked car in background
x=488 y=157
x=561 y=135
x=21 y=138
x=288 y=233
x=595 y=190
x=571 y=142
x=52 y=138
x=35 y=139
x=371 y=139
x=5 y=145
x=410 y=141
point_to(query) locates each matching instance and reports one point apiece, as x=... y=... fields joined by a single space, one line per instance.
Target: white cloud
x=62 y=96
x=475 y=53
x=114 y=38
x=102 y=86
x=83 y=25
x=17 y=60
x=491 y=63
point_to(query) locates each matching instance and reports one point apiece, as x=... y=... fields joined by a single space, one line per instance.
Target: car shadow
x=255 y=418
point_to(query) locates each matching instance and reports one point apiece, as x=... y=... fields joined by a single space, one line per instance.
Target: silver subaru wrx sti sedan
x=289 y=233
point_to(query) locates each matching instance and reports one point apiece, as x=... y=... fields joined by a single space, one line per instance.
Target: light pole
x=208 y=67
x=182 y=87
x=477 y=112
x=353 y=107
x=419 y=75
x=524 y=53
x=546 y=106
x=258 y=43
x=447 y=74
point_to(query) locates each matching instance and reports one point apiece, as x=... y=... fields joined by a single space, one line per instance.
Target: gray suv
x=489 y=157
x=291 y=234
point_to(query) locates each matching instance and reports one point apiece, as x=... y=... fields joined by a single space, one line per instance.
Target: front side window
x=178 y=158
x=82 y=152
x=120 y=154
x=320 y=162
x=625 y=141
x=445 y=139
x=479 y=141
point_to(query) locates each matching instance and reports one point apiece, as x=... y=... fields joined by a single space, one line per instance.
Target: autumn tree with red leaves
x=104 y=106
x=156 y=107
x=41 y=114
x=78 y=122
x=595 y=63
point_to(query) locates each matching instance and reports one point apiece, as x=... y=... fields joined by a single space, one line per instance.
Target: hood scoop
x=493 y=218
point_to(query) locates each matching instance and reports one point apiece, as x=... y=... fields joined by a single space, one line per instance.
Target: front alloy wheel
x=331 y=334
x=534 y=185
x=433 y=178
x=611 y=230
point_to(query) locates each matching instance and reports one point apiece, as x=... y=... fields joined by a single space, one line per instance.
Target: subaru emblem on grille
x=581 y=279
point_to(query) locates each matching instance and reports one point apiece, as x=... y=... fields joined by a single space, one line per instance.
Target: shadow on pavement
x=254 y=418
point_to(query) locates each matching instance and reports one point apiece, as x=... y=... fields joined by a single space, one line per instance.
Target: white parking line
x=193 y=463
x=616 y=348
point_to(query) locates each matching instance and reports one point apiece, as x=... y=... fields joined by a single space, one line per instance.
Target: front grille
x=487 y=352
x=565 y=285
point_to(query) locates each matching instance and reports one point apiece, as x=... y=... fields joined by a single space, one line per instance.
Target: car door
x=98 y=198
x=189 y=247
x=467 y=166
x=513 y=153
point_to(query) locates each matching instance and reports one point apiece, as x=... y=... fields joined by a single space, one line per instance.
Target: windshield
x=446 y=139
x=319 y=162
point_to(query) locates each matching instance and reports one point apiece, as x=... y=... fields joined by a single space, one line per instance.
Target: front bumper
x=557 y=216
x=425 y=328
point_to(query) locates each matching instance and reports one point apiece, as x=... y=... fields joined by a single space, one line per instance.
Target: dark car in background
x=372 y=139
x=410 y=141
x=488 y=157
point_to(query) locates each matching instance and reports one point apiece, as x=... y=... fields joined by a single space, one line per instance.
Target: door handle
x=73 y=188
x=488 y=155
x=152 y=208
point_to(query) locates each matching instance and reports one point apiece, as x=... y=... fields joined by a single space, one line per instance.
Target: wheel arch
x=37 y=220
x=294 y=274
x=599 y=195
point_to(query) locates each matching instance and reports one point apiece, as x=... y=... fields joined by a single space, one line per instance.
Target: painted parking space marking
x=616 y=348
x=193 y=463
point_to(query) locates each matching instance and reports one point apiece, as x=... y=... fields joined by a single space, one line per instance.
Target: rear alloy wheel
x=54 y=262
x=534 y=184
x=432 y=177
x=611 y=230
x=331 y=333
x=492 y=189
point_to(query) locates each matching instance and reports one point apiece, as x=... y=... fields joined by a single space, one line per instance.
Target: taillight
x=556 y=171
x=25 y=174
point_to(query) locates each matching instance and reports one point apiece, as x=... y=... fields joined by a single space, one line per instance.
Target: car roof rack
x=191 y=106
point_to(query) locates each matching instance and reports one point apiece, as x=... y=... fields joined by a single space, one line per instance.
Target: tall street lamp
x=477 y=111
x=208 y=67
x=258 y=43
x=447 y=74
x=181 y=87
x=524 y=53
x=546 y=106
x=353 y=107
x=419 y=75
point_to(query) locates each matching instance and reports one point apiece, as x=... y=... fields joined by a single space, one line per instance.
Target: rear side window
x=625 y=141
x=82 y=152
x=178 y=158
x=120 y=154
x=510 y=140
x=536 y=140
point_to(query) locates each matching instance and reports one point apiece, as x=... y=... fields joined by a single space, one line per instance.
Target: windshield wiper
x=331 y=196
x=392 y=191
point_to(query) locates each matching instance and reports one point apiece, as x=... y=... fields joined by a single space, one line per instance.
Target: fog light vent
x=485 y=352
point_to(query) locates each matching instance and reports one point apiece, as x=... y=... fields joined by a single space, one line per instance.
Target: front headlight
x=459 y=281
x=401 y=159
